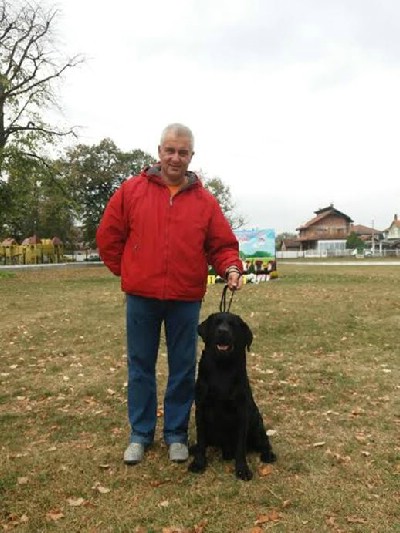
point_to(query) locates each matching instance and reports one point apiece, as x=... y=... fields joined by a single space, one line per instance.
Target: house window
x=331 y=246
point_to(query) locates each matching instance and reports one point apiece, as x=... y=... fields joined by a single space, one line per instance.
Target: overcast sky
x=294 y=104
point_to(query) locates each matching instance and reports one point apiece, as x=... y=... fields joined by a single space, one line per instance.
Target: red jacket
x=162 y=246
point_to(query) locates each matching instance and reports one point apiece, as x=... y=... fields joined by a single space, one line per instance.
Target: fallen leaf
x=164 y=503
x=331 y=521
x=339 y=458
x=356 y=520
x=200 y=527
x=272 y=516
x=155 y=483
x=111 y=392
x=22 y=480
x=265 y=470
x=361 y=438
x=75 y=502
x=103 y=490
x=54 y=515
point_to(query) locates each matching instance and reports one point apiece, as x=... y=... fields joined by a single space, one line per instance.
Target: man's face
x=175 y=154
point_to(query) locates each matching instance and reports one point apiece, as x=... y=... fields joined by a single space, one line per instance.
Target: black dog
x=226 y=414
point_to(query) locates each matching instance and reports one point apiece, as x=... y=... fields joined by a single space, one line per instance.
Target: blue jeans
x=144 y=317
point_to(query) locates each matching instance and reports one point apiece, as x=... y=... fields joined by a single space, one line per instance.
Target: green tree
x=353 y=242
x=36 y=202
x=93 y=173
x=283 y=236
x=5 y=201
x=222 y=193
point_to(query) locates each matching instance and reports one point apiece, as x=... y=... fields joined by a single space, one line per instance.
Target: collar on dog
x=223 y=307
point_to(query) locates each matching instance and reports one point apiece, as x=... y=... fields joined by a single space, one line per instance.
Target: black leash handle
x=223 y=307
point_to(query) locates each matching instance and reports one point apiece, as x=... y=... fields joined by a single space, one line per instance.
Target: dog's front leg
x=199 y=463
x=242 y=469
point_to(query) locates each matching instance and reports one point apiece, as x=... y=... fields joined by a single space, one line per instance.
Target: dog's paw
x=243 y=472
x=268 y=457
x=197 y=466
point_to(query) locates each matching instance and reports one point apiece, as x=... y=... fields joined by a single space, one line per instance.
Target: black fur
x=227 y=416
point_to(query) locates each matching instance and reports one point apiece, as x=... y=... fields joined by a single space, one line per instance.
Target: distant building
x=371 y=237
x=290 y=245
x=393 y=231
x=392 y=235
x=326 y=232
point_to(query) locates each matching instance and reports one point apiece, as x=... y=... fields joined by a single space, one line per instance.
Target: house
x=393 y=231
x=392 y=235
x=327 y=232
x=290 y=245
x=370 y=236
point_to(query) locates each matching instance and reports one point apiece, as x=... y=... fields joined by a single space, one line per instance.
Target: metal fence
x=335 y=253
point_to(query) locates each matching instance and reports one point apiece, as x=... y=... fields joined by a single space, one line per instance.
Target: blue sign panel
x=256 y=242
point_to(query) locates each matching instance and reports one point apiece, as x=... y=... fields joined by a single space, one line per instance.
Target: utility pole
x=373 y=239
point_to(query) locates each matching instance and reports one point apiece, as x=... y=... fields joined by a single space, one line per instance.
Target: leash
x=223 y=307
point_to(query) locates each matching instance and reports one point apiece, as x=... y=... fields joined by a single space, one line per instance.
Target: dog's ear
x=202 y=329
x=247 y=334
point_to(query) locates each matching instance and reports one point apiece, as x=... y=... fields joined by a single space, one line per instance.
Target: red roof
x=323 y=213
x=8 y=242
x=31 y=240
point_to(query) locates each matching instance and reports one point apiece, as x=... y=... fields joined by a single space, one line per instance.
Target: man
x=159 y=232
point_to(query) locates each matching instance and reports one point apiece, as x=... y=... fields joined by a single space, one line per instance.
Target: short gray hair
x=180 y=131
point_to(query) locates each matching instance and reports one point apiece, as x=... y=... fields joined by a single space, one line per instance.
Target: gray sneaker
x=178 y=452
x=134 y=453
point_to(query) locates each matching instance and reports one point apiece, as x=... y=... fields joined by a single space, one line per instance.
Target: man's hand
x=234 y=281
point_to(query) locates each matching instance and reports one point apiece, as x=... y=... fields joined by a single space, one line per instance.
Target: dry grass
x=325 y=371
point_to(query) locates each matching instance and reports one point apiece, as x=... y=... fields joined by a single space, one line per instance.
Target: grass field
x=324 y=367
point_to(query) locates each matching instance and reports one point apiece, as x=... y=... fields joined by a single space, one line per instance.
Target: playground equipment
x=32 y=251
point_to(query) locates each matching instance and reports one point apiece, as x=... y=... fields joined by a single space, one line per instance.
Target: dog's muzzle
x=224 y=347
x=223 y=340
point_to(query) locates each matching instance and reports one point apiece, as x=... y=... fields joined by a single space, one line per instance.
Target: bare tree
x=223 y=194
x=30 y=66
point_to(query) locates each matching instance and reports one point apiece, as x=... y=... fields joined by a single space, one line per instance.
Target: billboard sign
x=256 y=243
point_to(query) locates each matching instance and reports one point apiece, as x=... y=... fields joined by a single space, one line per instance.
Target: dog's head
x=225 y=332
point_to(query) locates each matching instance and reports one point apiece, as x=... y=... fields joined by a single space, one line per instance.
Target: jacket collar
x=154 y=171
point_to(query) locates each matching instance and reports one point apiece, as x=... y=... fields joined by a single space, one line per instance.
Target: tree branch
x=30 y=66
x=75 y=61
